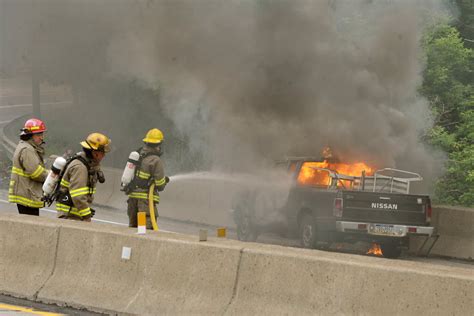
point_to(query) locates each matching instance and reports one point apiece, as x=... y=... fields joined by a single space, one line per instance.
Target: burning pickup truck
x=326 y=202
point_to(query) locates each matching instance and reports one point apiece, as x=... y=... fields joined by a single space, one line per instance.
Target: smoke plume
x=246 y=82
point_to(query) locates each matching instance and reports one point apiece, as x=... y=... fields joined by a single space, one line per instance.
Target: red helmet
x=33 y=126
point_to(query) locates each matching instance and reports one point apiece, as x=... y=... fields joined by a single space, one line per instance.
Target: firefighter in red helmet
x=28 y=171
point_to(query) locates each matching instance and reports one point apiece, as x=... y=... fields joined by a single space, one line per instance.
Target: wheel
x=244 y=216
x=307 y=230
x=391 y=250
x=245 y=229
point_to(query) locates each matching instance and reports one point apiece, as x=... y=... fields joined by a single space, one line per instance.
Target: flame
x=375 y=250
x=310 y=176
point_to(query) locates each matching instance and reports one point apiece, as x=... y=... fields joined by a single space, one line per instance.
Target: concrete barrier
x=300 y=282
x=455 y=225
x=27 y=254
x=80 y=264
x=166 y=274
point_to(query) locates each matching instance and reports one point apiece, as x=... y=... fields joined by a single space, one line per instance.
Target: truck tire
x=307 y=230
x=391 y=250
x=244 y=216
x=246 y=231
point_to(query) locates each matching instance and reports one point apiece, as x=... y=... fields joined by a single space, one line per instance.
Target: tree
x=465 y=21
x=448 y=85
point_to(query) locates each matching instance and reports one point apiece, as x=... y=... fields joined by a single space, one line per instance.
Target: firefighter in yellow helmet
x=28 y=172
x=149 y=170
x=81 y=174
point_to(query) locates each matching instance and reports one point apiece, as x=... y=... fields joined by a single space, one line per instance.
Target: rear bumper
x=392 y=230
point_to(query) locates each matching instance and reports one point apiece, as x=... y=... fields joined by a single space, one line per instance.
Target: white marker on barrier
x=141 y=219
x=126 y=253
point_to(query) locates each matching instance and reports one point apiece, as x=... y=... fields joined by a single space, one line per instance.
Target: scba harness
x=65 y=197
x=141 y=180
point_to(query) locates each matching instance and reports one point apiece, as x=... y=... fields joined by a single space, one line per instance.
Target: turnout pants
x=28 y=210
x=139 y=205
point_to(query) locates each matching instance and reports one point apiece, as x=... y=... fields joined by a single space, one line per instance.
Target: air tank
x=129 y=171
x=50 y=183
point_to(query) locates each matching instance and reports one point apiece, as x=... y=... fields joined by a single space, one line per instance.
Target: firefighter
x=78 y=183
x=149 y=170
x=28 y=171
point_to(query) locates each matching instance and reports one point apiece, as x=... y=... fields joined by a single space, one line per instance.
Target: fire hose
x=151 y=206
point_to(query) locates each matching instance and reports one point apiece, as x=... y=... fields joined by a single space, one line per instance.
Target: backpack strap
x=137 y=182
x=68 y=162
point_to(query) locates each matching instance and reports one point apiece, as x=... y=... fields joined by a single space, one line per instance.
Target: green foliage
x=448 y=85
x=465 y=21
x=447 y=78
x=457 y=185
x=442 y=139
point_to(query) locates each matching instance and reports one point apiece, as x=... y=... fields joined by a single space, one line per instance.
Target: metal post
x=363 y=180
x=35 y=70
x=3 y=35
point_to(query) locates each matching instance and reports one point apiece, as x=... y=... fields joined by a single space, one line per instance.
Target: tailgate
x=386 y=208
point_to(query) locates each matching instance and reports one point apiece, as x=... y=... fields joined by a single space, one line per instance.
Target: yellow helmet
x=97 y=141
x=154 y=136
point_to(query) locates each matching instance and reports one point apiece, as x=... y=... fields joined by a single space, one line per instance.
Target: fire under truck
x=326 y=202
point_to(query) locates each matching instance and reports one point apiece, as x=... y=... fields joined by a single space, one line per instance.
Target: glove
x=167 y=179
x=100 y=176
x=92 y=212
